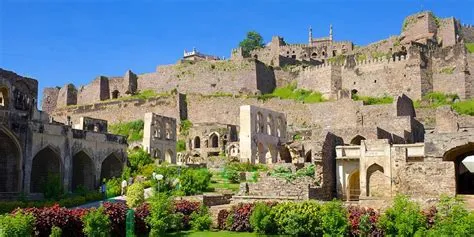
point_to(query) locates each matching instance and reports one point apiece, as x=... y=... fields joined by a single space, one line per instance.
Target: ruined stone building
x=33 y=147
x=213 y=139
x=159 y=137
x=362 y=152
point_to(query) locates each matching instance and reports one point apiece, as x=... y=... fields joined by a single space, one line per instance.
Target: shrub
x=117 y=213
x=368 y=100
x=404 y=218
x=261 y=220
x=186 y=208
x=195 y=181
x=161 y=218
x=18 y=224
x=469 y=47
x=333 y=219
x=69 y=220
x=363 y=222
x=135 y=195
x=113 y=187
x=184 y=127
x=141 y=213
x=240 y=217
x=452 y=219
x=96 y=223
x=56 y=232
x=222 y=219
x=180 y=145
x=231 y=174
x=464 y=107
x=133 y=130
x=288 y=217
x=201 y=219
x=52 y=187
x=138 y=159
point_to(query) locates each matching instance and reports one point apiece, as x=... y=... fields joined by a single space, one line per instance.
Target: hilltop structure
x=362 y=152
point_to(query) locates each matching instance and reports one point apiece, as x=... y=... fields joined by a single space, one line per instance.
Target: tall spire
x=330 y=32
x=310 y=40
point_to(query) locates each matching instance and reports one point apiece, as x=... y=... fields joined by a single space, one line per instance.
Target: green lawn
x=214 y=234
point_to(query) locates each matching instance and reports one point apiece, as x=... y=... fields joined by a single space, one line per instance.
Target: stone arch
x=353 y=186
x=307 y=157
x=214 y=138
x=115 y=94
x=4 y=98
x=261 y=152
x=314 y=55
x=168 y=132
x=464 y=178
x=158 y=130
x=375 y=180
x=46 y=166
x=259 y=122
x=169 y=156
x=357 y=140
x=83 y=171
x=285 y=154
x=111 y=167
x=157 y=154
x=268 y=157
x=280 y=127
x=197 y=142
x=10 y=162
x=270 y=125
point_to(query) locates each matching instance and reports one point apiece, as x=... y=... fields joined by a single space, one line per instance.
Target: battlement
x=467 y=26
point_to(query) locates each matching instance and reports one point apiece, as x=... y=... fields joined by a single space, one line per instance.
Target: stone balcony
x=348 y=152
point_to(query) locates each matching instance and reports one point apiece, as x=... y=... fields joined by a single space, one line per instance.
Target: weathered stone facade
x=159 y=137
x=33 y=146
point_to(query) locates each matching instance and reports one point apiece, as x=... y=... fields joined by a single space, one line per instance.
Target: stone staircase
x=468 y=200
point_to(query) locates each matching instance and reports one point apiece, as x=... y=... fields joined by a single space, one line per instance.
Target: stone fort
x=363 y=152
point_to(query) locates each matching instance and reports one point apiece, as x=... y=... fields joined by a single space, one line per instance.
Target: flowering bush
x=363 y=221
x=221 y=219
x=141 y=213
x=117 y=212
x=186 y=208
x=241 y=217
x=69 y=220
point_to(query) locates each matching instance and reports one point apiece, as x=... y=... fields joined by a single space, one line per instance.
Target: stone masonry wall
x=468 y=33
x=50 y=99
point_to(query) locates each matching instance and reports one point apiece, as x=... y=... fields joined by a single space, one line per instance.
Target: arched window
x=169 y=133
x=357 y=140
x=280 y=127
x=214 y=140
x=259 y=122
x=270 y=125
x=197 y=142
x=314 y=55
x=3 y=98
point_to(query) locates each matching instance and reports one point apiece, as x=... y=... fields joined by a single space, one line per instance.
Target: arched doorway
x=464 y=178
x=83 y=174
x=353 y=187
x=111 y=167
x=307 y=157
x=115 y=94
x=261 y=153
x=197 y=142
x=45 y=169
x=357 y=140
x=4 y=98
x=375 y=181
x=285 y=154
x=214 y=140
x=10 y=163
x=169 y=156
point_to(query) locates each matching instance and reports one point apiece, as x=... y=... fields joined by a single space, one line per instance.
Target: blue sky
x=58 y=42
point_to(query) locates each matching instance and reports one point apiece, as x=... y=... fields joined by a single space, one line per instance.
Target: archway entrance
x=464 y=178
x=111 y=167
x=375 y=181
x=10 y=164
x=353 y=187
x=197 y=142
x=357 y=140
x=46 y=168
x=83 y=172
x=214 y=140
x=168 y=156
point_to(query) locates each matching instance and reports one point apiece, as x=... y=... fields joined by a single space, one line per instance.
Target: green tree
x=96 y=223
x=253 y=41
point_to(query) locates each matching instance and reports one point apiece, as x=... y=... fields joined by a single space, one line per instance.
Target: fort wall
x=468 y=33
